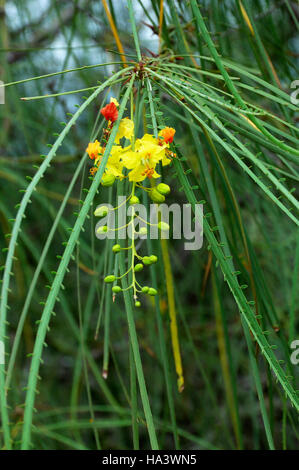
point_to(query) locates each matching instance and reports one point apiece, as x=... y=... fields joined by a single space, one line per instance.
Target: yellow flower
x=126 y=129
x=165 y=160
x=93 y=149
x=114 y=164
x=143 y=160
x=143 y=171
x=155 y=147
x=114 y=100
x=149 y=146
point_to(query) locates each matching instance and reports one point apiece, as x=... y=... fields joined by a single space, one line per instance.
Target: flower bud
x=116 y=248
x=138 y=267
x=116 y=289
x=137 y=303
x=143 y=231
x=134 y=200
x=109 y=279
x=156 y=196
x=145 y=289
x=152 y=291
x=101 y=211
x=163 y=188
x=146 y=260
x=107 y=180
x=163 y=226
x=102 y=229
x=153 y=258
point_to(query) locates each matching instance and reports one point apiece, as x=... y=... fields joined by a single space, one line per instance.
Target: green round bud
x=146 y=260
x=137 y=303
x=102 y=229
x=154 y=258
x=145 y=289
x=143 y=231
x=109 y=279
x=134 y=200
x=138 y=267
x=116 y=289
x=116 y=248
x=163 y=226
x=156 y=196
x=152 y=291
x=163 y=188
x=107 y=180
x=101 y=211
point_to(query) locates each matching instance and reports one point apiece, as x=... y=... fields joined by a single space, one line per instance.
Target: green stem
x=134 y=30
x=137 y=358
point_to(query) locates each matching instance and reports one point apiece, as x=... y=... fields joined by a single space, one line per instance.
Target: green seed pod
x=156 y=196
x=152 y=291
x=116 y=289
x=102 y=229
x=101 y=211
x=145 y=289
x=137 y=303
x=138 y=267
x=116 y=248
x=109 y=279
x=143 y=231
x=134 y=200
x=153 y=258
x=107 y=180
x=163 y=188
x=146 y=260
x=163 y=226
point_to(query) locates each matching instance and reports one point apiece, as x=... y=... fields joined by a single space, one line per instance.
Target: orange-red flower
x=167 y=133
x=110 y=112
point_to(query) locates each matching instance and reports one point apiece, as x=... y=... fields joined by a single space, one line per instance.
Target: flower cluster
x=139 y=158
